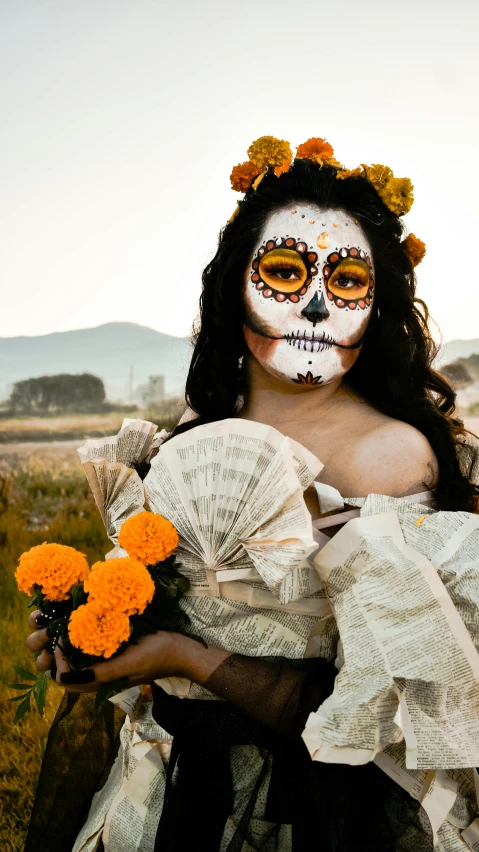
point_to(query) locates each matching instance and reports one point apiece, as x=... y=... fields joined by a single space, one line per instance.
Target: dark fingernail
x=41 y=620
x=53 y=670
x=85 y=676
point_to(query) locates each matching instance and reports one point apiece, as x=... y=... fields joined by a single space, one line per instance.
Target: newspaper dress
x=392 y=598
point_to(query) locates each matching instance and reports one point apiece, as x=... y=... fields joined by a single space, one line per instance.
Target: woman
x=309 y=323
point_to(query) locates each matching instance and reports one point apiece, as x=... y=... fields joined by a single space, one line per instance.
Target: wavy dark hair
x=393 y=371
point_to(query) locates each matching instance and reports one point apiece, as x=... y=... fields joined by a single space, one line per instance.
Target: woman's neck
x=283 y=404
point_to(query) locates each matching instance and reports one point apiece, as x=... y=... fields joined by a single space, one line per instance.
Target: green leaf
x=20 y=686
x=17 y=697
x=40 y=692
x=24 y=673
x=78 y=595
x=22 y=708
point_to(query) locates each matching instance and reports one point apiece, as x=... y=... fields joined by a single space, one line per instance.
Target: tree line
x=62 y=393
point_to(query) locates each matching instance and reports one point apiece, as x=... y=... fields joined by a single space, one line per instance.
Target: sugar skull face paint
x=308 y=299
x=283 y=269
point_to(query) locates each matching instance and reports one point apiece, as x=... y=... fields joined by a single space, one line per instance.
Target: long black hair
x=393 y=371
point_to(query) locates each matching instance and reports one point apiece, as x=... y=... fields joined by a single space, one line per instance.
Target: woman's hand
x=39 y=641
x=161 y=654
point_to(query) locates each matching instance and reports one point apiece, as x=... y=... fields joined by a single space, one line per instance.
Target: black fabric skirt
x=331 y=807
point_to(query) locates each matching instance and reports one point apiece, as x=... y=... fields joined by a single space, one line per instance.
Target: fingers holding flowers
x=95 y=628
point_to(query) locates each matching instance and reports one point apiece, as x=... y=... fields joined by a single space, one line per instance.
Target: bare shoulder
x=394 y=458
x=391 y=458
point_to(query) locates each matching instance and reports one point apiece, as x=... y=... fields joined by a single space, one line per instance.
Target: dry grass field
x=66 y=427
x=43 y=496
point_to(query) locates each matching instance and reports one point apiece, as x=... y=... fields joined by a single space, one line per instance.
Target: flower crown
x=268 y=155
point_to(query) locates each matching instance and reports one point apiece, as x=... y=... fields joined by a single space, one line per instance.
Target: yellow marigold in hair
x=397 y=195
x=243 y=176
x=414 y=249
x=378 y=175
x=98 y=631
x=269 y=151
x=124 y=585
x=148 y=537
x=342 y=174
x=318 y=150
x=54 y=567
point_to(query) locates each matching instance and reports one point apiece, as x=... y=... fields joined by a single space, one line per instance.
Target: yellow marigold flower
x=342 y=174
x=269 y=151
x=316 y=149
x=148 y=537
x=54 y=567
x=243 y=176
x=98 y=631
x=124 y=585
x=397 y=195
x=414 y=249
x=378 y=175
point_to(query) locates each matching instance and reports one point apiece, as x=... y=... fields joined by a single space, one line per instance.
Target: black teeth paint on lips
x=311 y=344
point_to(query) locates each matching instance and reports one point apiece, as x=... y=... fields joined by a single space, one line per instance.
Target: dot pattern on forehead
x=306 y=257
x=363 y=292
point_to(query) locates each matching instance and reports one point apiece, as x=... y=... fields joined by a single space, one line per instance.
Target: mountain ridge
x=123 y=354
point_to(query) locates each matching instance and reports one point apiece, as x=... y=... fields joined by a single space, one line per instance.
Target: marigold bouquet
x=96 y=613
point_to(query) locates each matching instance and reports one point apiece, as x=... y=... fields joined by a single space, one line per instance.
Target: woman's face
x=308 y=294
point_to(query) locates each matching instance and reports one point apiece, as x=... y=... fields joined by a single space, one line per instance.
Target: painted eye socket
x=351 y=278
x=283 y=270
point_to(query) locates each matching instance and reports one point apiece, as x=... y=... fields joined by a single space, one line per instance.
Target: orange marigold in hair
x=316 y=149
x=98 y=631
x=124 y=585
x=269 y=151
x=414 y=249
x=243 y=176
x=54 y=567
x=148 y=537
x=279 y=170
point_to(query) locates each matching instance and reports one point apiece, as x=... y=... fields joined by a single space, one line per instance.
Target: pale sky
x=122 y=119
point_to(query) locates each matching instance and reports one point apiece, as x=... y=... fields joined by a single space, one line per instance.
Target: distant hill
x=123 y=354
x=458 y=349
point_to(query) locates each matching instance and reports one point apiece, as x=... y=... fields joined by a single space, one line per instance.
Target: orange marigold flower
x=269 y=151
x=148 y=537
x=316 y=149
x=54 y=567
x=282 y=168
x=414 y=249
x=342 y=174
x=243 y=176
x=98 y=631
x=124 y=585
x=397 y=195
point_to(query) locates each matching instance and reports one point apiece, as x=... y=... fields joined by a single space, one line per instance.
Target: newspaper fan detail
x=234 y=491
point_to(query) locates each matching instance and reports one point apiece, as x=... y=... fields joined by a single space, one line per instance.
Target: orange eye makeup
x=283 y=269
x=348 y=278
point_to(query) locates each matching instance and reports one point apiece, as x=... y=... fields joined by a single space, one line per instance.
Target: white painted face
x=308 y=294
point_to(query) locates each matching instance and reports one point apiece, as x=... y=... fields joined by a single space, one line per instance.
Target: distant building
x=153 y=392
